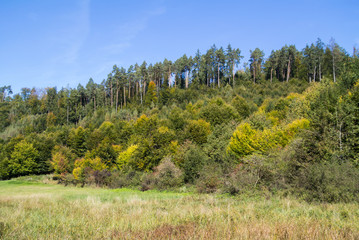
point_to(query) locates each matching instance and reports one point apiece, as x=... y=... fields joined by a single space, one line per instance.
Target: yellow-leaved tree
x=125 y=156
x=91 y=163
x=247 y=140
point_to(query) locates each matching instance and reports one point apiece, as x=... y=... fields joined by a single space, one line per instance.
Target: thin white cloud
x=75 y=34
x=124 y=35
x=128 y=31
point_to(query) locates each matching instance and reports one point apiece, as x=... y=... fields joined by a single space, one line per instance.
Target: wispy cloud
x=128 y=31
x=74 y=35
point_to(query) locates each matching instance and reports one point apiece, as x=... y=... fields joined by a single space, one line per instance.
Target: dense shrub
x=218 y=112
x=328 y=182
x=197 y=131
x=210 y=179
x=194 y=159
x=167 y=175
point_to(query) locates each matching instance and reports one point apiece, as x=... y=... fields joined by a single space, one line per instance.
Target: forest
x=287 y=123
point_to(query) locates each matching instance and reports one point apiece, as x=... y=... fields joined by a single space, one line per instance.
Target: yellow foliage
x=143 y=119
x=174 y=146
x=125 y=156
x=93 y=163
x=163 y=130
x=117 y=148
x=246 y=140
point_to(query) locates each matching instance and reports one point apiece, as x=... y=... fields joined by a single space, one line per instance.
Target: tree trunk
x=105 y=97
x=111 y=96
x=129 y=90
x=124 y=96
x=169 y=78
x=144 y=87
x=271 y=75
x=288 y=70
x=320 y=72
x=233 y=73
x=187 y=75
x=254 y=73
x=314 y=74
x=141 y=91
x=219 y=84
x=117 y=99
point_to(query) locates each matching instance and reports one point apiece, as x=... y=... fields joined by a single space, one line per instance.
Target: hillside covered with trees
x=287 y=123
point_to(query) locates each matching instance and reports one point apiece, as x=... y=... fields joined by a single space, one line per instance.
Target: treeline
x=216 y=68
x=286 y=124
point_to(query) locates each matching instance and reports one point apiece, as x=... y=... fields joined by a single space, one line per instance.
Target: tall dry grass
x=39 y=211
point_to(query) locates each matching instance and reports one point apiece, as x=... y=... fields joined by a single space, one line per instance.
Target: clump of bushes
x=165 y=176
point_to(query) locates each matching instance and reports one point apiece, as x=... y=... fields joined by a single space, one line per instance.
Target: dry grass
x=39 y=211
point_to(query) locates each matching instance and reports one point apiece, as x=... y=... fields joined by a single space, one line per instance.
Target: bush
x=194 y=159
x=125 y=178
x=328 y=182
x=167 y=175
x=218 y=112
x=255 y=172
x=197 y=131
x=210 y=179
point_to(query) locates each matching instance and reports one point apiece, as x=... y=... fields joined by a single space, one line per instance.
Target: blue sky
x=65 y=42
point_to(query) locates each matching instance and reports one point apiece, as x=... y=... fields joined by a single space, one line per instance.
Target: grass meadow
x=33 y=210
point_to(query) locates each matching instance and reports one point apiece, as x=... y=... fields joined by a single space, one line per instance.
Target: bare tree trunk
x=233 y=73
x=186 y=82
x=124 y=96
x=111 y=95
x=141 y=91
x=219 y=83
x=129 y=89
x=254 y=72
x=288 y=70
x=169 y=77
x=105 y=98
x=320 y=72
x=117 y=99
x=144 y=87
x=271 y=75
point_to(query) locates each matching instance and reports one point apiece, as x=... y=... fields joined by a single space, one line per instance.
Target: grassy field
x=30 y=210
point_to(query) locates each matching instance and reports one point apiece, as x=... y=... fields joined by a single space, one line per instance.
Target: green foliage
x=328 y=182
x=261 y=128
x=23 y=159
x=197 y=131
x=178 y=118
x=218 y=112
x=151 y=95
x=217 y=143
x=85 y=165
x=77 y=141
x=62 y=160
x=242 y=106
x=193 y=161
x=106 y=151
